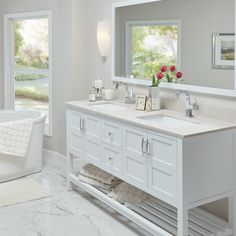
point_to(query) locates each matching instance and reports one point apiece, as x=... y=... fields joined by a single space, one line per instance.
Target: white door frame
x=9 y=90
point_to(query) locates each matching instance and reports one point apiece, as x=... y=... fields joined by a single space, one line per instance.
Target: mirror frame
x=165 y=85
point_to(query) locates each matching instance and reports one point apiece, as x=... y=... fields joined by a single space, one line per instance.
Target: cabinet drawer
x=112 y=134
x=112 y=159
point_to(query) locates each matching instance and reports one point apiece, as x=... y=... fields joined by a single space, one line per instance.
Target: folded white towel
x=15 y=137
x=126 y=193
x=94 y=183
x=95 y=173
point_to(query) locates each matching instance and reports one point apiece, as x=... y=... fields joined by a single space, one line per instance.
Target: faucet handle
x=189 y=113
x=188 y=104
x=179 y=92
x=196 y=106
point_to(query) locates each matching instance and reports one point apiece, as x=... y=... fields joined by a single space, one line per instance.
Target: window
x=150 y=45
x=30 y=64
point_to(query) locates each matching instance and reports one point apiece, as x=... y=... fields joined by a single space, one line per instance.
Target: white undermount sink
x=168 y=121
x=109 y=107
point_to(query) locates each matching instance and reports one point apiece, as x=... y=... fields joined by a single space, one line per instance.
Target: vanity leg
x=182 y=221
x=232 y=198
x=182 y=210
x=232 y=212
x=69 y=171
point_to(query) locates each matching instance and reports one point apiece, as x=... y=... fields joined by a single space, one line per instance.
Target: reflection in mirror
x=179 y=32
x=149 y=45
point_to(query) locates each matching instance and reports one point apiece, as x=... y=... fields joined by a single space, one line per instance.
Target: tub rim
x=36 y=120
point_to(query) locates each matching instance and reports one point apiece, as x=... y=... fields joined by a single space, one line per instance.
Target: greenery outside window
x=150 y=45
x=31 y=71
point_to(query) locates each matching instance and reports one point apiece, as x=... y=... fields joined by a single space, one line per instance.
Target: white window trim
x=9 y=90
x=128 y=40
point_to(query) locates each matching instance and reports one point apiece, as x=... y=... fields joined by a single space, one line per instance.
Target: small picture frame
x=140 y=103
x=223 y=51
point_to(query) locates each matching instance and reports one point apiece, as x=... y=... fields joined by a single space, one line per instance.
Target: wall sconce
x=103 y=39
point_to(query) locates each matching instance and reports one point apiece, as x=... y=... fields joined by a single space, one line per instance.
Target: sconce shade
x=103 y=38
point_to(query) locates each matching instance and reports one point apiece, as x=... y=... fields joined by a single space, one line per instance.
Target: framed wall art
x=223 y=55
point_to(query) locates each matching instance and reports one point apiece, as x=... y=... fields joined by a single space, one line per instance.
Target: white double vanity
x=182 y=162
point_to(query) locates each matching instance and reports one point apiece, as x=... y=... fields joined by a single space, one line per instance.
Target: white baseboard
x=49 y=153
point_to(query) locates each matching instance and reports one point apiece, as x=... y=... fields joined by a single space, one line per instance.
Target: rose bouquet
x=156 y=80
x=170 y=74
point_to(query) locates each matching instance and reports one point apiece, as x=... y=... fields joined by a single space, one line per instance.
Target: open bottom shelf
x=159 y=218
x=200 y=222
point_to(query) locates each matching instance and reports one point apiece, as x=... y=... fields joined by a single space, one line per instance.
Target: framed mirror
x=198 y=37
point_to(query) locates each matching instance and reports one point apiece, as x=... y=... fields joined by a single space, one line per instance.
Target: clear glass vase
x=155 y=98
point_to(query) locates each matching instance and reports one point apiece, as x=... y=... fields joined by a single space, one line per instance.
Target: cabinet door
x=162 y=155
x=93 y=139
x=75 y=133
x=135 y=159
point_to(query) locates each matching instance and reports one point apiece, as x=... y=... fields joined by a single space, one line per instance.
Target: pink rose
x=179 y=75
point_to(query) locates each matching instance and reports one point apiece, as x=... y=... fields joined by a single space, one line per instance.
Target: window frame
x=9 y=88
x=128 y=41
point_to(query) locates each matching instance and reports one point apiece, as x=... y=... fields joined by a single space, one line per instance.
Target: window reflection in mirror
x=150 y=45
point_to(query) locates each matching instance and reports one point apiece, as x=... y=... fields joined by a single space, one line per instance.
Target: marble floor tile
x=65 y=213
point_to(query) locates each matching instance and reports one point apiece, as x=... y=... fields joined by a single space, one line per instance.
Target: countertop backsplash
x=216 y=107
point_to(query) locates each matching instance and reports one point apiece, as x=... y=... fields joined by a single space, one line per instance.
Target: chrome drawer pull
x=143 y=146
x=80 y=125
x=148 y=147
x=84 y=125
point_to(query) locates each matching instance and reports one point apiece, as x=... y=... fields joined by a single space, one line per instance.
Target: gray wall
x=98 y=10
x=199 y=19
x=68 y=56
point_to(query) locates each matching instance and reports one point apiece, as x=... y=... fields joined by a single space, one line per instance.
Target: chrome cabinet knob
x=110 y=135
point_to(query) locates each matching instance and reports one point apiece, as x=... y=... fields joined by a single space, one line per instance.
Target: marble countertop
x=126 y=113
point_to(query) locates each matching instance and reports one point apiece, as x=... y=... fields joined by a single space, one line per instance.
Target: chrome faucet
x=190 y=102
x=117 y=85
x=191 y=105
x=129 y=94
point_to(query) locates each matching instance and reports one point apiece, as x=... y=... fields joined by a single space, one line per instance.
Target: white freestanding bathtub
x=15 y=167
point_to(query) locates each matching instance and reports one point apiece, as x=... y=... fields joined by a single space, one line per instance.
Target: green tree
x=19 y=40
x=147 y=60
